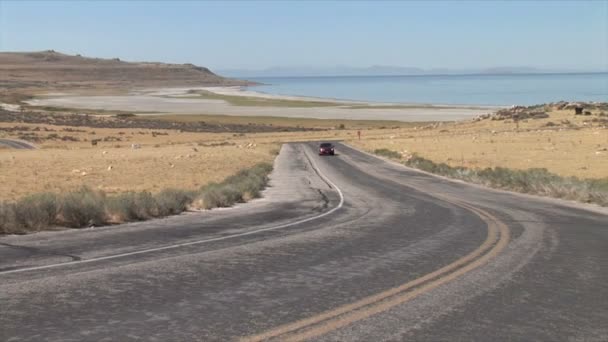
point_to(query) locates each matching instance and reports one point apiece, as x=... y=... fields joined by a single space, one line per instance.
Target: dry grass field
x=132 y=159
x=287 y=122
x=136 y=159
x=564 y=143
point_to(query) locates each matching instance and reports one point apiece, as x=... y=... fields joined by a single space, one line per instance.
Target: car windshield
x=326 y=145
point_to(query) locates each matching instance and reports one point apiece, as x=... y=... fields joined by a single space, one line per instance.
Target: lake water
x=520 y=89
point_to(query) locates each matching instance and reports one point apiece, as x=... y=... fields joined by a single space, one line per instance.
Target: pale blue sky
x=266 y=34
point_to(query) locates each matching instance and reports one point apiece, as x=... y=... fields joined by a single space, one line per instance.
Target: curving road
x=18 y=144
x=345 y=248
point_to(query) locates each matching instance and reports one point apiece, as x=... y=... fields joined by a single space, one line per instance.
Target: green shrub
x=242 y=186
x=8 y=222
x=220 y=195
x=83 y=208
x=385 y=152
x=534 y=181
x=38 y=211
x=172 y=201
x=132 y=206
x=252 y=181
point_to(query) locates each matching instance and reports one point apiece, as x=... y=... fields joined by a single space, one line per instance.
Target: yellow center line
x=336 y=318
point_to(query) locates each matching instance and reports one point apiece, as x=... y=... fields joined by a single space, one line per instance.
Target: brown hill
x=57 y=70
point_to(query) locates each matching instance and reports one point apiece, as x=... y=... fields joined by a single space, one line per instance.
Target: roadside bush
x=86 y=207
x=37 y=211
x=132 y=206
x=8 y=223
x=172 y=201
x=537 y=181
x=219 y=196
x=385 y=152
x=241 y=187
x=252 y=181
x=83 y=208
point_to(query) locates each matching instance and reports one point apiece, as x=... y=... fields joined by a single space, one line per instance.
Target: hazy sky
x=265 y=34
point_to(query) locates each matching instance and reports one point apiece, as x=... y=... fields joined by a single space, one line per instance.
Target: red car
x=326 y=148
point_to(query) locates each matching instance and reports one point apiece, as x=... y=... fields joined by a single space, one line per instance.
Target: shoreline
x=180 y=100
x=244 y=91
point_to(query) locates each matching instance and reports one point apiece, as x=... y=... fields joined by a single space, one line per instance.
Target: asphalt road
x=344 y=248
x=18 y=144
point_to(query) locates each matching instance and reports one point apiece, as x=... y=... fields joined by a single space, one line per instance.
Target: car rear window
x=326 y=145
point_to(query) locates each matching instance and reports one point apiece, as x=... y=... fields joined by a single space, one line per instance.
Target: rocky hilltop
x=54 y=69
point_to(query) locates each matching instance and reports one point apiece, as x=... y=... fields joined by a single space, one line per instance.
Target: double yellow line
x=308 y=328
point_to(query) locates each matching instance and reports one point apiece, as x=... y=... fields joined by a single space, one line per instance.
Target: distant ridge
x=384 y=70
x=50 y=68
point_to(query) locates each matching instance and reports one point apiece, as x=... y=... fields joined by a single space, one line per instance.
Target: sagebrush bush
x=8 y=223
x=132 y=206
x=219 y=196
x=86 y=207
x=533 y=181
x=38 y=211
x=173 y=201
x=83 y=208
x=385 y=152
x=242 y=186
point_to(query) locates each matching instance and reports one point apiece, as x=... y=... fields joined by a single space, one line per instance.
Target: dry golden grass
x=165 y=159
x=574 y=149
x=122 y=169
x=286 y=122
x=171 y=158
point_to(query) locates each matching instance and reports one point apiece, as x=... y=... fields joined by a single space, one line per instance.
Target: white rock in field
x=110 y=168
x=83 y=173
x=104 y=152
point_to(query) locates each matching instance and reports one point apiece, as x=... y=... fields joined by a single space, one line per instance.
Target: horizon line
x=455 y=74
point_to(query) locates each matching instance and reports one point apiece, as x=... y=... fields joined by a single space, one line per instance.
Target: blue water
x=518 y=89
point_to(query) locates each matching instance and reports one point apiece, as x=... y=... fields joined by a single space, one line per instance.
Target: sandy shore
x=236 y=91
x=173 y=100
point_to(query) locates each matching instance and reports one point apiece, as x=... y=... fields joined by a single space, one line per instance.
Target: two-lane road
x=344 y=248
x=17 y=144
